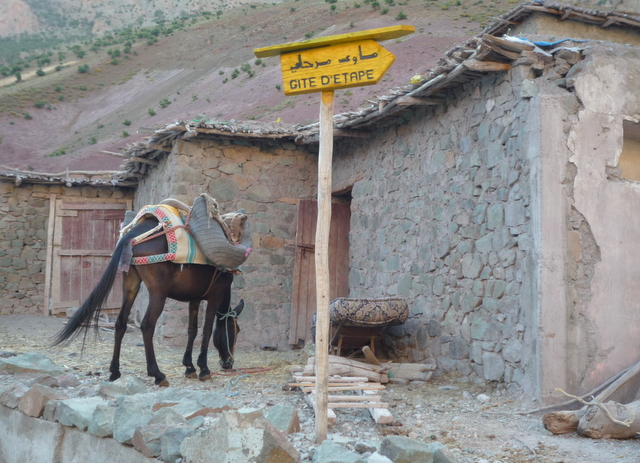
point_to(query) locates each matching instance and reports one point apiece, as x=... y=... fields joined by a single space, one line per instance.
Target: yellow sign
x=345 y=65
x=338 y=61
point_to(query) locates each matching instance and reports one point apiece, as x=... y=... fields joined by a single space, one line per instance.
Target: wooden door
x=83 y=235
x=303 y=303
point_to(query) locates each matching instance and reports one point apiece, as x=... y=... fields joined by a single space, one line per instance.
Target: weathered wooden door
x=82 y=234
x=303 y=303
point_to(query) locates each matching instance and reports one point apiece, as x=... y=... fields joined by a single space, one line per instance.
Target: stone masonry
x=441 y=215
x=264 y=180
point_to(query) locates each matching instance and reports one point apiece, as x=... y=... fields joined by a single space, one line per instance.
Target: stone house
x=494 y=195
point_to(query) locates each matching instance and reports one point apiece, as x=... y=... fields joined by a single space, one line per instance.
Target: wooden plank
x=93 y=206
x=311 y=400
x=84 y=252
x=46 y=307
x=348 y=388
x=345 y=379
x=379 y=415
x=354 y=398
x=412 y=100
x=373 y=405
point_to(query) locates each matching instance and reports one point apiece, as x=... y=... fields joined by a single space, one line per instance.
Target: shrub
x=125 y=134
x=58 y=88
x=40 y=104
x=27 y=116
x=58 y=68
x=93 y=141
x=278 y=87
x=164 y=103
x=151 y=112
x=40 y=72
x=83 y=68
x=400 y=16
x=127 y=122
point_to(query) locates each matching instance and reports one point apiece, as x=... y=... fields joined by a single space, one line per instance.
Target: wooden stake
x=323 y=226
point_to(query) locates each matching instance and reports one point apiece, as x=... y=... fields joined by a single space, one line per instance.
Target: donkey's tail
x=91 y=308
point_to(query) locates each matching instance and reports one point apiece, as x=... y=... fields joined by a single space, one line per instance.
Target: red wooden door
x=85 y=234
x=303 y=303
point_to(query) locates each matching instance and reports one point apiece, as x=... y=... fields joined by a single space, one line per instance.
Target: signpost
x=324 y=65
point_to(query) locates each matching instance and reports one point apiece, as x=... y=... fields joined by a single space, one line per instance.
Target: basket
x=212 y=240
x=368 y=312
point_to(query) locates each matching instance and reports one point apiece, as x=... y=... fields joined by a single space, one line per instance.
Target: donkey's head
x=226 y=333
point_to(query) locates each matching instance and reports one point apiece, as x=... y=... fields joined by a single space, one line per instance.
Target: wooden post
x=323 y=226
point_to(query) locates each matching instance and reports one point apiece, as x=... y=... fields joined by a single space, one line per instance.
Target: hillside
x=63 y=119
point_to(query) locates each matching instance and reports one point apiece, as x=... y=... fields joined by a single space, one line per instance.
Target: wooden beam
x=323 y=225
x=416 y=101
x=486 y=66
x=46 y=307
x=510 y=45
x=132 y=158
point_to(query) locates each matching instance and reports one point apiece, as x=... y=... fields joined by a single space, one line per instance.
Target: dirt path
x=31 y=74
x=476 y=429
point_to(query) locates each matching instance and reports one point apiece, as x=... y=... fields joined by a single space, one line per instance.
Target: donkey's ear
x=239 y=307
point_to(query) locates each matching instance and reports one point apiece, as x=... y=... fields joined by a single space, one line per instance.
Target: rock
x=171 y=440
x=364 y=447
x=331 y=452
x=146 y=439
x=30 y=363
x=45 y=380
x=441 y=454
x=483 y=398
x=68 y=380
x=35 y=399
x=400 y=449
x=167 y=416
x=239 y=436
x=77 y=412
x=11 y=395
x=131 y=412
x=285 y=418
x=127 y=385
x=101 y=424
x=377 y=458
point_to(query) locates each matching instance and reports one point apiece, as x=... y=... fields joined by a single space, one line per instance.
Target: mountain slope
x=190 y=72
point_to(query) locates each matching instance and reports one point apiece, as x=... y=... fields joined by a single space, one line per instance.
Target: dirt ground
x=446 y=409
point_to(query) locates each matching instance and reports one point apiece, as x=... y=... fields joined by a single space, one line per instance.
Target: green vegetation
x=125 y=134
x=151 y=112
x=126 y=122
x=83 y=68
x=164 y=103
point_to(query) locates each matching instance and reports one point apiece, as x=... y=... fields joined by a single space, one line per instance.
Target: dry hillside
x=63 y=119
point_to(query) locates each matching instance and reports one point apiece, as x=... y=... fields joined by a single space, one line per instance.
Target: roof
x=490 y=52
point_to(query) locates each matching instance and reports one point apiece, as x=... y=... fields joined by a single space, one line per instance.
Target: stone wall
x=24 y=214
x=266 y=180
x=441 y=216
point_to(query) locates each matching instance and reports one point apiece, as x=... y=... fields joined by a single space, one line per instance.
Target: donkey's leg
x=130 y=287
x=207 y=331
x=148 y=327
x=187 y=360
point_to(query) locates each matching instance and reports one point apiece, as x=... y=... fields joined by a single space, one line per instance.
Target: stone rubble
x=188 y=426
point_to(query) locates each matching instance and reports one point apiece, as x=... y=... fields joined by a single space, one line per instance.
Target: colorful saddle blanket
x=183 y=248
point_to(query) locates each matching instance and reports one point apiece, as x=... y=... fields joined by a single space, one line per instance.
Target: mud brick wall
x=266 y=180
x=24 y=215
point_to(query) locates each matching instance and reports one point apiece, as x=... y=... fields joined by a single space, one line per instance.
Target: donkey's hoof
x=163 y=383
x=114 y=376
x=205 y=377
x=191 y=375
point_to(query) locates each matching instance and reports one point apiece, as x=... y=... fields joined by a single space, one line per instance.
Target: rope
x=232 y=382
